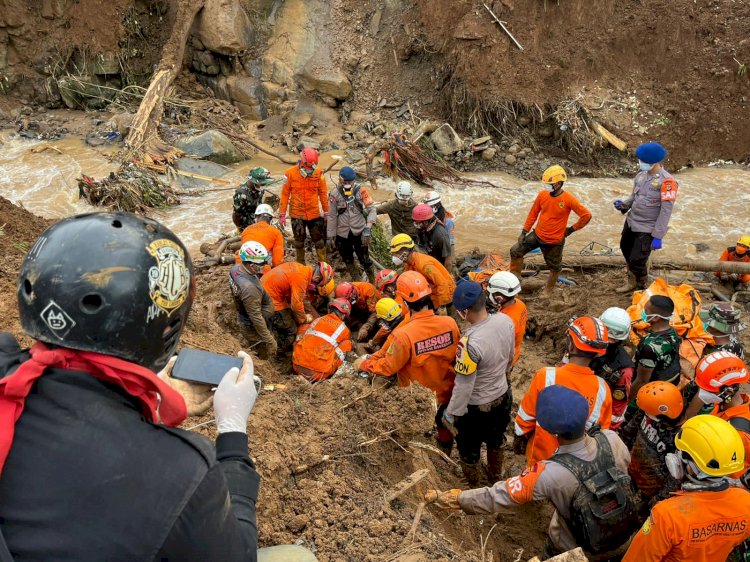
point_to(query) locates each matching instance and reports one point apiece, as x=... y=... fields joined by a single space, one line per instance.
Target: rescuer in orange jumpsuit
x=441 y=282
x=323 y=345
x=269 y=236
x=363 y=297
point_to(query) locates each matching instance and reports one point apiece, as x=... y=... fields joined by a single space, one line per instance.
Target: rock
x=354 y=156
x=247 y=94
x=211 y=145
x=446 y=140
x=514 y=149
x=546 y=131
x=223 y=27
x=307 y=142
x=326 y=80
x=52 y=9
x=521 y=155
x=523 y=121
x=106 y=63
x=481 y=140
x=92 y=139
x=201 y=167
x=273 y=91
x=121 y=122
x=330 y=101
x=297 y=523
x=276 y=71
x=489 y=154
x=197 y=44
x=379 y=130
x=510 y=160
x=302 y=119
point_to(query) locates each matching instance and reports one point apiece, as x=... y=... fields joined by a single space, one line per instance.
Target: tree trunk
x=657 y=263
x=143 y=131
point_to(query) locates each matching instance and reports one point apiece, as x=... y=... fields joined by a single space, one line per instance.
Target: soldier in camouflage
x=248 y=196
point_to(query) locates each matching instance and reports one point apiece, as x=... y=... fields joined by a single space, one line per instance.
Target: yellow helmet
x=713 y=444
x=744 y=240
x=554 y=174
x=387 y=309
x=401 y=241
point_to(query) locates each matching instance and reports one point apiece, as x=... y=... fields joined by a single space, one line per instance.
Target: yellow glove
x=443 y=500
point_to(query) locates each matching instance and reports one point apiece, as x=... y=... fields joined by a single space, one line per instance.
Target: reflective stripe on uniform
x=618 y=419
x=601 y=394
x=330 y=339
x=549 y=377
x=517 y=429
x=523 y=415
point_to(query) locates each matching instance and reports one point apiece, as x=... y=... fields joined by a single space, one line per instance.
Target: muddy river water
x=713 y=205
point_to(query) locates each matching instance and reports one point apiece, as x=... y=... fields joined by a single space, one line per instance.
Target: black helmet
x=112 y=283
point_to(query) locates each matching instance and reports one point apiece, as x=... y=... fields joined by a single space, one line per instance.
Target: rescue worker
x=363 y=297
x=648 y=210
x=580 y=457
x=661 y=403
x=390 y=316
x=351 y=217
x=550 y=212
x=322 y=347
x=657 y=357
x=422 y=350
x=385 y=283
x=587 y=338
x=432 y=198
x=719 y=377
x=248 y=196
x=709 y=517
x=502 y=290
x=303 y=193
x=289 y=285
x=269 y=236
x=254 y=305
x=740 y=252
x=89 y=423
x=441 y=282
x=722 y=321
x=616 y=366
x=479 y=408
x=433 y=237
x=399 y=210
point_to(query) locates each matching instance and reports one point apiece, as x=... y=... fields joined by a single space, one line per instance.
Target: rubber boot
x=354 y=272
x=300 y=253
x=321 y=253
x=494 y=465
x=516 y=266
x=371 y=274
x=629 y=285
x=641 y=283
x=473 y=474
x=553 y=275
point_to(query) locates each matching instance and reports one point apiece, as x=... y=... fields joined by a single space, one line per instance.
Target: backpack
x=603 y=512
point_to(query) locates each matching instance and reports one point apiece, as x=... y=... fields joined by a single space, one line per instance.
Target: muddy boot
x=321 y=253
x=371 y=274
x=629 y=285
x=516 y=266
x=641 y=284
x=354 y=272
x=494 y=465
x=300 y=253
x=473 y=474
x=553 y=275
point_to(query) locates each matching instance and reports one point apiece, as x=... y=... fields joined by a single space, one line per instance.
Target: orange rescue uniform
x=322 y=347
x=731 y=256
x=553 y=213
x=693 y=527
x=743 y=412
x=422 y=350
x=367 y=295
x=441 y=282
x=287 y=284
x=581 y=379
x=519 y=315
x=302 y=195
x=269 y=236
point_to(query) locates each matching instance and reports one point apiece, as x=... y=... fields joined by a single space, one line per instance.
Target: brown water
x=713 y=205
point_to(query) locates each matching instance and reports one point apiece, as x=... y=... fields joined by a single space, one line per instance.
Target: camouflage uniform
x=660 y=351
x=245 y=201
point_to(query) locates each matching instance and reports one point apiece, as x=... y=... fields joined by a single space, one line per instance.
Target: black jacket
x=88 y=478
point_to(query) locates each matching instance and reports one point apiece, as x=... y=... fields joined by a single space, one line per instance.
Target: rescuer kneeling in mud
x=390 y=316
x=423 y=350
x=586 y=481
x=740 y=252
x=362 y=297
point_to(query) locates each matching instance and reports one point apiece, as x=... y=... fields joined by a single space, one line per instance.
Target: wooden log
x=611 y=138
x=657 y=263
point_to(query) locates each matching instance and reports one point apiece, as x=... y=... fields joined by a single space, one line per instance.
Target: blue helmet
x=347 y=173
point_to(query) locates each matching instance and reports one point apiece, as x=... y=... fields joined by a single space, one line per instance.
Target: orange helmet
x=347 y=291
x=589 y=334
x=325 y=272
x=412 y=286
x=719 y=369
x=342 y=305
x=384 y=278
x=660 y=398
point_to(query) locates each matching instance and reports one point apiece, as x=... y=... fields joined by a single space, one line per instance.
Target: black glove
x=522 y=237
x=520 y=442
x=568 y=231
x=366 y=234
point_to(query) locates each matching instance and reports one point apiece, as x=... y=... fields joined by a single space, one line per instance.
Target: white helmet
x=254 y=252
x=617 y=321
x=503 y=283
x=404 y=190
x=264 y=209
x=432 y=198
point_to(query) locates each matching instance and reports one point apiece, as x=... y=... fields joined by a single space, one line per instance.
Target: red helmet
x=347 y=291
x=309 y=157
x=589 y=334
x=719 y=369
x=342 y=305
x=422 y=212
x=384 y=278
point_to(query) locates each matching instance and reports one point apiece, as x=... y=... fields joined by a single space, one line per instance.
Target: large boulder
x=224 y=27
x=211 y=145
x=328 y=81
x=247 y=95
x=446 y=140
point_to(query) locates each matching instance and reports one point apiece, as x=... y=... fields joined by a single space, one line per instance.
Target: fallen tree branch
x=405 y=485
x=411 y=535
x=255 y=145
x=435 y=450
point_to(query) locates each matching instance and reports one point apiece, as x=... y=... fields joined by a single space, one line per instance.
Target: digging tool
x=505 y=29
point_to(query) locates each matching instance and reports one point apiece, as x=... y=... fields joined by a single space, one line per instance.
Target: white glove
x=235 y=397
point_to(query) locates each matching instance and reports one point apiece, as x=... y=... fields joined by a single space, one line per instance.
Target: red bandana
x=158 y=400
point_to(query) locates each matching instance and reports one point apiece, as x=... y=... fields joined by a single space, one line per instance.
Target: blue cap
x=466 y=294
x=347 y=173
x=562 y=411
x=651 y=153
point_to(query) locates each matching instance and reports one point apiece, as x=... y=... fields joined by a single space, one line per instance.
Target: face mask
x=709 y=397
x=645 y=317
x=461 y=314
x=644 y=166
x=403 y=202
x=397 y=261
x=348 y=188
x=674 y=466
x=435 y=209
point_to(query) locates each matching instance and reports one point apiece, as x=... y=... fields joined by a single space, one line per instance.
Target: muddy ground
x=336 y=506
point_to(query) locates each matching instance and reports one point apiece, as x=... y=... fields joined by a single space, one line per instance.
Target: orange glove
x=443 y=500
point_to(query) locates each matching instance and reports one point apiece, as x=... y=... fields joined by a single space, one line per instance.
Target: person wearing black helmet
x=92 y=464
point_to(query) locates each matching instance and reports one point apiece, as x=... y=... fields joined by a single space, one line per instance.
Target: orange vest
x=729 y=255
x=519 y=315
x=368 y=295
x=303 y=195
x=741 y=411
x=581 y=379
x=441 y=282
x=269 y=236
x=321 y=349
x=287 y=285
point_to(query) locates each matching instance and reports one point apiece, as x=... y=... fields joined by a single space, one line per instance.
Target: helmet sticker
x=57 y=320
x=169 y=279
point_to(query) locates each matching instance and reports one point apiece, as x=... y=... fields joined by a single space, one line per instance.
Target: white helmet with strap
x=264 y=209
x=432 y=198
x=503 y=283
x=254 y=252
x=404 y=190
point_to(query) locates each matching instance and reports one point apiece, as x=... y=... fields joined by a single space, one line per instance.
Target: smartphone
x=195 y=365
